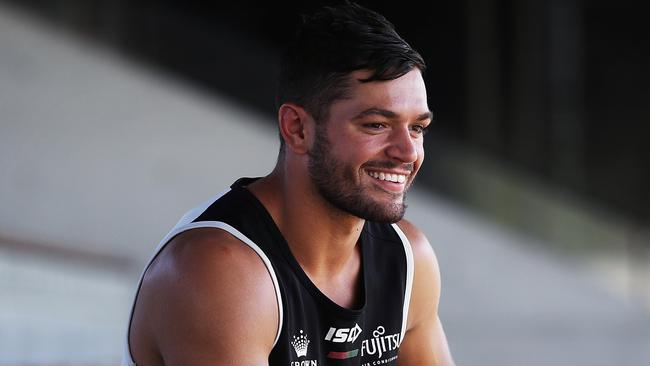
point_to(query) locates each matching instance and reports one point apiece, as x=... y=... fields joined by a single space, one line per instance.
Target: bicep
x=214 y=305
x=426 y=344
x=194 y=330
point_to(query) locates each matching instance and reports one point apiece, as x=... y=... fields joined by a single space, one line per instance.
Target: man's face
x=365 y=157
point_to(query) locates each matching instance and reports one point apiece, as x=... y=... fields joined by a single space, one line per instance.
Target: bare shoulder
x=205 y=296
x=426 y=278
x=422 y=250
x=425 y=342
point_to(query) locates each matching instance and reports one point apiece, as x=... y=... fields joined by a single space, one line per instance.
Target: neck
x=321 y=237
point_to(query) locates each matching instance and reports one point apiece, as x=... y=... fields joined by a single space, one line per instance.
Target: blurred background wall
x=117 y=116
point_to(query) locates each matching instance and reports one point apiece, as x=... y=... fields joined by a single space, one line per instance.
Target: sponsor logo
x=343 y=355
x=300 y=344
x=380 y=343
x=305 y=363
x=342 y=335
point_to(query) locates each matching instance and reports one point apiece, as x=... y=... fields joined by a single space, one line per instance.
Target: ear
x=296 y=127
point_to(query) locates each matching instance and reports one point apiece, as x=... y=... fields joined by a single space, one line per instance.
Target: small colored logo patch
x=343 y=355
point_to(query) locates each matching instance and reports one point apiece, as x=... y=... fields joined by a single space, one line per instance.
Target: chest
x=318 y=331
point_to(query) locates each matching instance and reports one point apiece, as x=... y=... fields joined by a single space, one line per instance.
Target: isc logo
x=342 y=335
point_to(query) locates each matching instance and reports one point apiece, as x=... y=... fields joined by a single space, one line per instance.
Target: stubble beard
x=336 y=184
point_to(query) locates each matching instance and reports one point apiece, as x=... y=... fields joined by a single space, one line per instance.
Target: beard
x=335 y=182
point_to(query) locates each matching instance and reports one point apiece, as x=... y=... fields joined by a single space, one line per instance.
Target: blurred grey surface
x=100 y=153
x=508 y=301
x=100 y=156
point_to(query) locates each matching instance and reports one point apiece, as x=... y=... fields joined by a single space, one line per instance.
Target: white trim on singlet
x=409 y=277
x=185 y=224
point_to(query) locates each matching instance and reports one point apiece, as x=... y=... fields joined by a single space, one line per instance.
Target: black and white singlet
x=313 y=330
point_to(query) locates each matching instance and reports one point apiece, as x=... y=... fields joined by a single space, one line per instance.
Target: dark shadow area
x=555 y=89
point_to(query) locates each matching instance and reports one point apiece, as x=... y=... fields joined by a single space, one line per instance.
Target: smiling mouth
x=389 y=177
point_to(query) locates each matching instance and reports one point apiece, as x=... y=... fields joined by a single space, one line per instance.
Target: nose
x=402 y=146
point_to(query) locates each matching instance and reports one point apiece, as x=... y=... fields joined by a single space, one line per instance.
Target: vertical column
x=566 y=94
x=528 y=139
x=484 y=97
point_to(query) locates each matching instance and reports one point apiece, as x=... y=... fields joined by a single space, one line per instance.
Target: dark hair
x=332 y=43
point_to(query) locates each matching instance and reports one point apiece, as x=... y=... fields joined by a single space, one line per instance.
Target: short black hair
x=332 y=43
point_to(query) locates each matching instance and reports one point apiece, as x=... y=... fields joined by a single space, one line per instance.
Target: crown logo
x=300 y=344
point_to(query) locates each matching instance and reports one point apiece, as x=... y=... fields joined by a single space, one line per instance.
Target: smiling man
x=314 y=263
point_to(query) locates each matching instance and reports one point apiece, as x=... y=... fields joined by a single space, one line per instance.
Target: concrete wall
x=101 y=154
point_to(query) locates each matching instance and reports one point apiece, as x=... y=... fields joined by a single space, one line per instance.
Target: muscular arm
x=206 y=300
x=424 y=342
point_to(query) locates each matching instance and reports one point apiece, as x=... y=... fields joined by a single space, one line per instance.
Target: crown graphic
x=300 y=344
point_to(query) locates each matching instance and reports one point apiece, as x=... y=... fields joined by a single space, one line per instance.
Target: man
x=305 y=266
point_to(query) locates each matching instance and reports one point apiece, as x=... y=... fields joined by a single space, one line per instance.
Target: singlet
x=314 y=330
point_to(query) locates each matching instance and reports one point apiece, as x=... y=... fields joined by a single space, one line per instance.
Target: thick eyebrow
x=425 y=116
x=390 y=114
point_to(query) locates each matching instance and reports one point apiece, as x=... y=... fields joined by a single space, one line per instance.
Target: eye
x=374 y=125
x=419 y=129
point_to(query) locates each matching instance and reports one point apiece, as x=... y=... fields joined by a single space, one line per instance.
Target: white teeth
x=396 y=178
